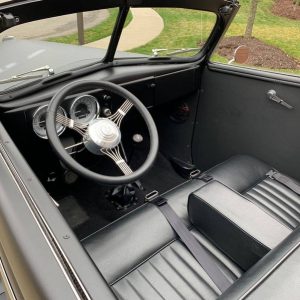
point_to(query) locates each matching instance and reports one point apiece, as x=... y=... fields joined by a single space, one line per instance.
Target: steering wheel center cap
x=107 y=130
x=104 y=133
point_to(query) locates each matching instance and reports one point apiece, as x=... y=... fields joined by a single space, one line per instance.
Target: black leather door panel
x=236 y=117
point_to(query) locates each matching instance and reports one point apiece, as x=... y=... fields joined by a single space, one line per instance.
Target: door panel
x=236 y=117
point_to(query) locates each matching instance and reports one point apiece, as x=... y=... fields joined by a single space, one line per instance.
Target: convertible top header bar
x=18 y=12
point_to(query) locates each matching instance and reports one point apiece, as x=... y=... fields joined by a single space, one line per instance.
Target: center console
x=242 y=230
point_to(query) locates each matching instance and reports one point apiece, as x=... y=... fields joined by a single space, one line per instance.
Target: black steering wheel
x=102 y=134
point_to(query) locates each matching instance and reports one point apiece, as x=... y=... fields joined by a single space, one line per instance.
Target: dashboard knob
x=137 y=138
x=70 y=177
x=106 y=98
x=106 y=112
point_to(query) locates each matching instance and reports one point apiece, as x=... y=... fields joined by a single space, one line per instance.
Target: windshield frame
x=109 y=60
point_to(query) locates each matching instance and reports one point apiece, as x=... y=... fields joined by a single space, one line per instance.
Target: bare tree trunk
x=251 y=18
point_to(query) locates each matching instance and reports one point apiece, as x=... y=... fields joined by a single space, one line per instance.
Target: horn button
x=102 y=133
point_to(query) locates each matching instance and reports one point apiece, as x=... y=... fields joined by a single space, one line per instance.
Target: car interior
x=99 y=150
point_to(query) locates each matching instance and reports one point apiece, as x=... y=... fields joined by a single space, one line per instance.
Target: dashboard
x=84 y=107
x=156 y=86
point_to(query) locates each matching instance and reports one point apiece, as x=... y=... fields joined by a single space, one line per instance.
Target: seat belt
x=285 y=180
x=196 y=249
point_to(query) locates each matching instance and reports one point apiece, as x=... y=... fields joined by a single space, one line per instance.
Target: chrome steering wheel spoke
x=116 y=156
x=74 y=125
x=71 y=151
x=118 y=116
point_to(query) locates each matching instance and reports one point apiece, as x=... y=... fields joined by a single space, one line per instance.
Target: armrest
x=237 y=226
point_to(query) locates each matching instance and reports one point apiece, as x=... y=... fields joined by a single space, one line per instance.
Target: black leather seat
x=247 y=176
x=141 y=258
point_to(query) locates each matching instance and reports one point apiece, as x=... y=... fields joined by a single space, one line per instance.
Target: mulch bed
x=261 y=54
x=286 y=8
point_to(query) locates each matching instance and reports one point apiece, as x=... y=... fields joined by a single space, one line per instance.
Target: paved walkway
x=146 y=25
x=57 y=26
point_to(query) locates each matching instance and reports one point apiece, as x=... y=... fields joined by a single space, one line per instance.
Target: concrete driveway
x=145 y=26
x=53 y=27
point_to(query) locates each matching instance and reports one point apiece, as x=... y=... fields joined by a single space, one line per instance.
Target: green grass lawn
x=98 y=32
x=184 y=28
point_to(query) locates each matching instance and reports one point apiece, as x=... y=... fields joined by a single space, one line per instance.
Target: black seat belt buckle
x=271 y=174
x=206 y=178
x=160 y=201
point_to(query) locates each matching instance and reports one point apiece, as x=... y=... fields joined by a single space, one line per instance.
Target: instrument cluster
x=83 y=109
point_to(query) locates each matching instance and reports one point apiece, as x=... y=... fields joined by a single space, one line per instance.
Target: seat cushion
x=114 y=248
x=240 y=172
x=247 y=175
x=173 y=273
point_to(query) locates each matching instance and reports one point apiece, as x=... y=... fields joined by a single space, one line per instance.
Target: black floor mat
x=162 y=176
x=73 y=212
x=95 y=210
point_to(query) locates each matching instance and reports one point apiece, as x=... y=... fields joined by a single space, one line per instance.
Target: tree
x=251 y=18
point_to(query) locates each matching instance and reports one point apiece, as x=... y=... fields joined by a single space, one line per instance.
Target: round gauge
x=84 y=109
x=39 y=122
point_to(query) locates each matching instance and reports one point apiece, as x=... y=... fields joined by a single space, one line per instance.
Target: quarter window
x=270 y=30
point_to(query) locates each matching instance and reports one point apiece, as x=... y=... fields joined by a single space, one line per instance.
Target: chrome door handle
x=272 y=95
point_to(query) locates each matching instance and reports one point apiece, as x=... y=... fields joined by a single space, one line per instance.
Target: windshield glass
x=61 y=43
x=72 y=41
x=166 y=32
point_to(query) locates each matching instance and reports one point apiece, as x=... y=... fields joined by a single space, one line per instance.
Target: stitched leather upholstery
x=277 y=200
x=140 y=257
x=173 y=273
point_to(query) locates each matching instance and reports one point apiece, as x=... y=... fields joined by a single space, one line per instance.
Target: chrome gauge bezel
x=44 y=136
x=72 y=107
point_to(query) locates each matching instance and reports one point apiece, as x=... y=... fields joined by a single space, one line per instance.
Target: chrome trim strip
x=60 y=260
x=250 y=290
x=8 y=287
